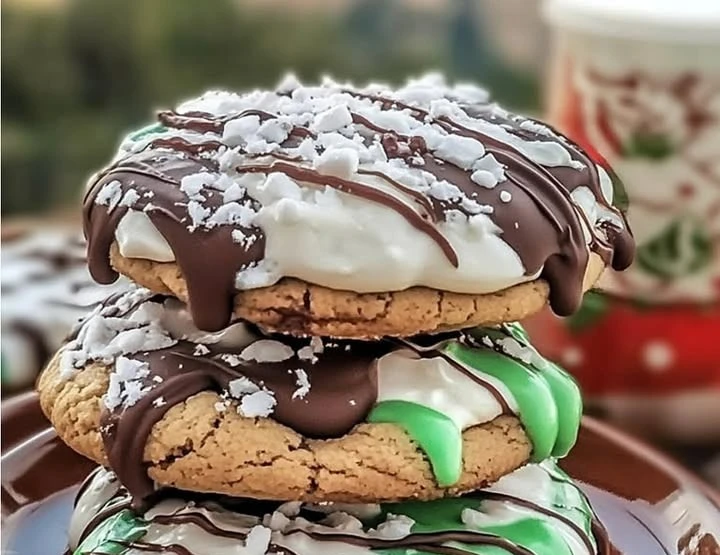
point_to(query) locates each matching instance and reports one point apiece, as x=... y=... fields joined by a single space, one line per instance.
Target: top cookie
x=358 y=194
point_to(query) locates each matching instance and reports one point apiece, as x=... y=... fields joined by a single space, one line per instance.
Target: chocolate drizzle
x=344 y=389
x=542 y=223
x=208 y=259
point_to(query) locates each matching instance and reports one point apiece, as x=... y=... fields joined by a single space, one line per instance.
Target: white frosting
x=334 y=239
x=435 y=383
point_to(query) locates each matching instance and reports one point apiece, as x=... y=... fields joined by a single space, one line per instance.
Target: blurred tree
x=77 y=76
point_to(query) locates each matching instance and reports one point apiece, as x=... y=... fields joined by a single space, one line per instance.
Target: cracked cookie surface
x=194 y=447
x=300 y=308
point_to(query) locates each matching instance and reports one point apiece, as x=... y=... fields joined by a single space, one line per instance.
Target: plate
x=649 y=504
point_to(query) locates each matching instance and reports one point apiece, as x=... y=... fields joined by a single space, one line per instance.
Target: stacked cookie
x=320 y=355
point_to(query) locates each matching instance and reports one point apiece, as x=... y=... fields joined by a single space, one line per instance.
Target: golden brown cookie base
x=196 y=448
x=299 y=308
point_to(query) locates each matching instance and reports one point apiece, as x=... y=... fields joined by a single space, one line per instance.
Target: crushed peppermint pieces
x=267 y=350
x=110 y=195
x=257 y=405
x=303 y=383
x=126 y=386
x=200 y=350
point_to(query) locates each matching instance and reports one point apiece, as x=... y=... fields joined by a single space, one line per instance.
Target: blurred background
x=78 y=73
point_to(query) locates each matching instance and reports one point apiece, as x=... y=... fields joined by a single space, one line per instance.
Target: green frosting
x=540 y=534
x=153 y=129
x=437 y=435
x=4 y=370
x=111 y=537
x=547 y=398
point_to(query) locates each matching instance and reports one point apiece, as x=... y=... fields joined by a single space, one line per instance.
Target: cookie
x=46 y=291
x=299 y=308
x=536 y=510
x=370 y=194
x=241 y=413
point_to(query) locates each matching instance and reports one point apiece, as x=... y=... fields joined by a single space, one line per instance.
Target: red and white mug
x=637 y=83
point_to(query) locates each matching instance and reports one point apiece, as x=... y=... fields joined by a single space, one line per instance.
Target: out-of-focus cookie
x=46 y=291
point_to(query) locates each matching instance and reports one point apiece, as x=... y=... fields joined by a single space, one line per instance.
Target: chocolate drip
x=417 y=196
x=343 y=390
x=182 y=145
x=208 y=258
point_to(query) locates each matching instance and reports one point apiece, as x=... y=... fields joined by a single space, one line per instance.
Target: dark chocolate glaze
x=615 y=471
x=343 y=390
x=209 y=259
x=541 y=222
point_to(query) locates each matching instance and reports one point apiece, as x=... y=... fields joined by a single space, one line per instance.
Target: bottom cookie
x=536 y=510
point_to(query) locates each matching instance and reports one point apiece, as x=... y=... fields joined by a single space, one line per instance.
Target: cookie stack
x=320 y=355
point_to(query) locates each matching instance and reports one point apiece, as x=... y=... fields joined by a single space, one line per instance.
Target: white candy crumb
x=200 y=350
x=130 y=198
x=341 y=162
x=267 y=350
x=317 y=345
x=238 y=131
x=505 y=196
x=303 y=383
x=242 y=386
x=395 y=527
x=461 y=151
x=125 y=387
x=257 y=405
x=332 y=119
x=191 y=185
x=258 y=541
x=159 y=402
x=198 y=214
x=232 y=360
x=110 y=195
x=306 y=353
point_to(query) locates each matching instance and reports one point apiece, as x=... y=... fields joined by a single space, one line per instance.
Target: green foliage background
x=77 y=76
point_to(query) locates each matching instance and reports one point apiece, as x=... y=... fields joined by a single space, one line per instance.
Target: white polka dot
x=572 y=356
x=658 y=356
